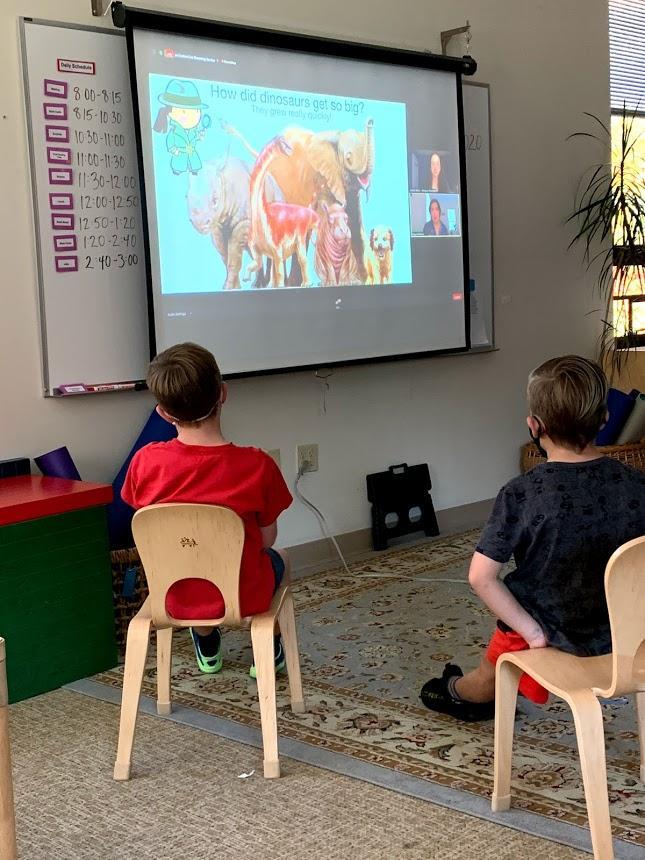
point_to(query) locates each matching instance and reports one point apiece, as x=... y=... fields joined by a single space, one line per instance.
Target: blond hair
x=568 y=395
x=186 y=381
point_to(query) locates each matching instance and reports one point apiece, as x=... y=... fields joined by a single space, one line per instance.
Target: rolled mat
x=619 y=406
x=634 y=429
x=58 y=464
x=119 y=514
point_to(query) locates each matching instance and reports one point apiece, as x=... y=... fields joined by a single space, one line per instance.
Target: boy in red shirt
x=201 y=466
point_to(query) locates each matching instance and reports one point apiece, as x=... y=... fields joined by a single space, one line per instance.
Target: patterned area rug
x=368 y=642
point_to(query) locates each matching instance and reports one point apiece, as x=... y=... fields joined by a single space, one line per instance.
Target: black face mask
x=536 y=442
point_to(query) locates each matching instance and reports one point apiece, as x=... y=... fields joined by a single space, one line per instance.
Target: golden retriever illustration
x=378 y=258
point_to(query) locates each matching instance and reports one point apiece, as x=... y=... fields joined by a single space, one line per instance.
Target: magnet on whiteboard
x=66 y=264
x=60 y=176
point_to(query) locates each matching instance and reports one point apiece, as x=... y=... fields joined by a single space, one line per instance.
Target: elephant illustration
x=219 y=206
x=328 y=166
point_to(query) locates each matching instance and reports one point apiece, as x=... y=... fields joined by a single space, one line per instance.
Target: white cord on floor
x=411 y=578
x=321 y=520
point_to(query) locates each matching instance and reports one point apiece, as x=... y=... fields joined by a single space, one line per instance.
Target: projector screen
x=303 y=209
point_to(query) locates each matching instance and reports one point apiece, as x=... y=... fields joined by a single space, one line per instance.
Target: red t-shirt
x=244 y=479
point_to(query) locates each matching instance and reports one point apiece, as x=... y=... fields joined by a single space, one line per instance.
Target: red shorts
x=502 y=642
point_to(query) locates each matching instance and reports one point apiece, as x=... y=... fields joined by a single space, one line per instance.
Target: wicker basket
x=632 y=455
x=129 y=589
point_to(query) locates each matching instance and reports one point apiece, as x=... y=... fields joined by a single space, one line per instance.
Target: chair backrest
x=182 y=541
x=625 y=591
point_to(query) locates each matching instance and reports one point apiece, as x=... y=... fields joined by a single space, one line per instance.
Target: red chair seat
x=194 y=598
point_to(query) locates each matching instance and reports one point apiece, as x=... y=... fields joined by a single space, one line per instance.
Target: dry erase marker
x=117 y=386
x=82 y=388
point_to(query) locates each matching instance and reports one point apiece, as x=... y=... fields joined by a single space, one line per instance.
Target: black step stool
x=394 y=495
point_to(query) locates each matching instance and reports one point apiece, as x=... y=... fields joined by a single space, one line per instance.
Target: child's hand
x=538 y=640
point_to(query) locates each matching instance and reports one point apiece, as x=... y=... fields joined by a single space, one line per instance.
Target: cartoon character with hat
x=181 y=120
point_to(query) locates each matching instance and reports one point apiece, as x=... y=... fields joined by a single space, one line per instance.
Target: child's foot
x=208 y=651
x=278 y=652
x=439 y=694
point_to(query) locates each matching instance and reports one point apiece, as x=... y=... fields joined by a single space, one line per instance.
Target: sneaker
x=212 y=664
x=435 y=696
x=280 y=660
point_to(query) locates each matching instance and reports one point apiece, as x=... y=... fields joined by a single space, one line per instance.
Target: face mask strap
x=536 y=438
x=194 y=420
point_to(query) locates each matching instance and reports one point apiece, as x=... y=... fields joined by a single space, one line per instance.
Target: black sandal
x=435 y=696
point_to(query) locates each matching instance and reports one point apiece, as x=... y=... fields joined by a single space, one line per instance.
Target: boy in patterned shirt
x=560 y=522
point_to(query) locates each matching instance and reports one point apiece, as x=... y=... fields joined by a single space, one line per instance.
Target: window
x=627 y=63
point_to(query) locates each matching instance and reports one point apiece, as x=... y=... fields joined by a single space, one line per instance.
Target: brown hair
x=569 y=396
x=161 y=123
x=186 y=381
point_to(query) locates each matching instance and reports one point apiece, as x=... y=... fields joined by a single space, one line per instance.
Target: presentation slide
x=261 y=196
x=294 y=212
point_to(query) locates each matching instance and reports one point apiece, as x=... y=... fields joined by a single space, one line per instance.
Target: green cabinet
x=56 y=611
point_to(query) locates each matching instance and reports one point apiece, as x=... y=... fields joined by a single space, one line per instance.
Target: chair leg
x=136 y=651
x=289 y=633
x=262 y=641
x=587 y=716
x=507 y=680
x=8 y=848
x=640 y=710
x=164 y=664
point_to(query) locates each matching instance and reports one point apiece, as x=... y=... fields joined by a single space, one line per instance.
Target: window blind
x=627 y=54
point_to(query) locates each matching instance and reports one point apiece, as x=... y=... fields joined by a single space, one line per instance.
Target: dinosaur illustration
x=333 y=259
x=278 y=230
x=218 y=206
x=334 y=166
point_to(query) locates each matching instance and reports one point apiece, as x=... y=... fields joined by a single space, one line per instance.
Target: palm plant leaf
x=609 y=219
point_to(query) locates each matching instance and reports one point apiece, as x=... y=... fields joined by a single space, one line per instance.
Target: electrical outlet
x=274 y=453
x=307 y=458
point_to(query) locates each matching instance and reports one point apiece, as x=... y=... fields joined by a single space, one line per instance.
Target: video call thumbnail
x=434 y=214
x=434 y=170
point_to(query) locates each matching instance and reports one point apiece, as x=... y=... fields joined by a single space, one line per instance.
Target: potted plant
x=609 y=218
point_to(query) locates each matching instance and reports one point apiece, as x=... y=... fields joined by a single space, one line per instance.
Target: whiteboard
x=87 y=215
x=480 y=213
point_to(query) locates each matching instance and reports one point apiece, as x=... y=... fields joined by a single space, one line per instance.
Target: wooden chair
x=8 y=848
x=581 y=681
x=179 y=541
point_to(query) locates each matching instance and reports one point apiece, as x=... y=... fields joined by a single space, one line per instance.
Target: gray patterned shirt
x=561 y=522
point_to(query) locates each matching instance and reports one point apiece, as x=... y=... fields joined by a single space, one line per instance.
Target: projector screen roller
x=303 y=209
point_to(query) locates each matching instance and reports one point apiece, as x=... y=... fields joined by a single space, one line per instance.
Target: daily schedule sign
x=86 y=206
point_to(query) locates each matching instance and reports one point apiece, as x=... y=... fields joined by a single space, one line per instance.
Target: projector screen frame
x=131 y=18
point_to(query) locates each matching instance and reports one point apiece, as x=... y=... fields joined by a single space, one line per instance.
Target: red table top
x=29 y=497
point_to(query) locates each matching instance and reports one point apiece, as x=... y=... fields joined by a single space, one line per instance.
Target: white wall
x=547 y=62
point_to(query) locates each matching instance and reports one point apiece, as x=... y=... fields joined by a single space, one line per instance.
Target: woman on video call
x=437 y=180
x=435 y=226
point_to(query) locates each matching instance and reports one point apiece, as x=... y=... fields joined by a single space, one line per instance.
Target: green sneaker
x=280 y=660
x=209 y=665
